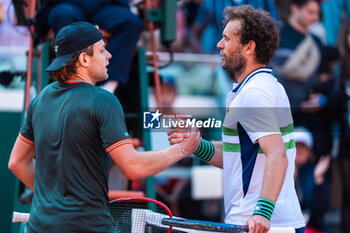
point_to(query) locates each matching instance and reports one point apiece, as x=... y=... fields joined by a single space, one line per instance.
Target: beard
x=235 y=63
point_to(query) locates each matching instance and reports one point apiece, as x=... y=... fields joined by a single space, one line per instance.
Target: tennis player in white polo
x=258 y=150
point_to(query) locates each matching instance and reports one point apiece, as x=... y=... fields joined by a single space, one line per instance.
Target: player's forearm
x=274 y=173
x=150 y=163
x=22 y=162
x=217 y=159
x=24 y=171
x=134 y=164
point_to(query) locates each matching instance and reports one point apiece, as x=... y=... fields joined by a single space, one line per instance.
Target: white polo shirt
x=257 y=107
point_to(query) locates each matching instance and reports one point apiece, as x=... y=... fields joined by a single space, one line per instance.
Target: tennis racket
x=140 y=215
x=131 y=214
x=215 y=227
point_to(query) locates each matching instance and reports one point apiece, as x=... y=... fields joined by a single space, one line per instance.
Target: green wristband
x=264 y=207
x=205 y=150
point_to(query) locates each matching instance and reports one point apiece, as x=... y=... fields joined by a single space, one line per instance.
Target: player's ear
x=83 y=59
x=250 y=48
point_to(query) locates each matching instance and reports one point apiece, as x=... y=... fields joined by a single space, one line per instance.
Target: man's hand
x=177 y=135
x=321 y=168
x=312 y=105
x=258 y=224
x=190 y=144
x=188 y=137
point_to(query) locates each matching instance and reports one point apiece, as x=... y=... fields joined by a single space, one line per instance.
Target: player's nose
x=220 y=44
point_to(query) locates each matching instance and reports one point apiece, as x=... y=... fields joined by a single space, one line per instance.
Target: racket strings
x=138 y=216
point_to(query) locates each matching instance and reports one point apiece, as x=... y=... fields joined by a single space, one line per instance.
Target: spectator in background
x=11 y=35
x=317 y=28
x=112 y=16
x=313 y=192
x=208 y=25
x=298 y=63
x=301 y=65
x=332 y=16
x=179 y=44
x=189 y=8
x=14 y=40
x=344 y=117
x=2 y=12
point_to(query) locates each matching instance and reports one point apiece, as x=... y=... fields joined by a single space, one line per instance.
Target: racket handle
x=281 y=230
x=20 y=217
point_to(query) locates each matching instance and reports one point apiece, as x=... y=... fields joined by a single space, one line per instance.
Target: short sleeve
x=26 y=133
x=259 y=116
x=111 y=122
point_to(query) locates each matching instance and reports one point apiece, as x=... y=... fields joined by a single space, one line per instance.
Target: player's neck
x=250 y=68
x=84 y=77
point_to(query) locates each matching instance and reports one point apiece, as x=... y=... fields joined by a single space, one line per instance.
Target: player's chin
x=103 y=77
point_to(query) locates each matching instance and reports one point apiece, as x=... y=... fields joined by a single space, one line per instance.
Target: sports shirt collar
x=264 y=69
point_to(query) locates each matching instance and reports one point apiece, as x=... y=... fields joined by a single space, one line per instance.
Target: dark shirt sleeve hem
x=118 y=144
x=26 y=140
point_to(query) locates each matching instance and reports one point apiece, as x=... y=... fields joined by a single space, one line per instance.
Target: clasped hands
x=188 y=138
